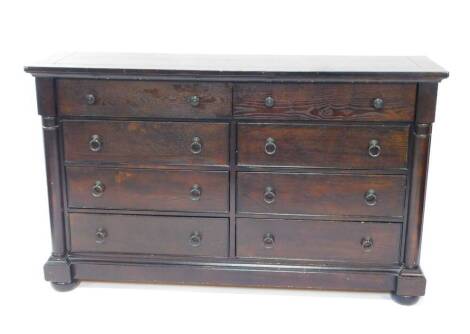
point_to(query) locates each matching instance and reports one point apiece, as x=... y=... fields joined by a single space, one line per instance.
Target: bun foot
x=405 y=300
x=63 y=287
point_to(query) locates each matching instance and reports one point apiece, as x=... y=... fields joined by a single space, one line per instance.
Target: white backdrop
x=31 y=30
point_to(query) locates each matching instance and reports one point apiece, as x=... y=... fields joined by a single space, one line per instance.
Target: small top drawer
x=332 y=102
x=119 y=98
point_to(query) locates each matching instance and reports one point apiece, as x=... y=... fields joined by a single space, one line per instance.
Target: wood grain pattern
x=330 y=146
x=143 y=99
x=321 y=194
x=319 y=240
x=147 y=143
x=147 y=189
x=149 y=234
x=332 y=102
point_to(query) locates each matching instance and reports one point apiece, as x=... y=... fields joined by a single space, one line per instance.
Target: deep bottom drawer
x=149 y=234
x=323 y=241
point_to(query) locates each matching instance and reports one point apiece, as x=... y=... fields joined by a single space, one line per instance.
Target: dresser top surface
x=313 y=67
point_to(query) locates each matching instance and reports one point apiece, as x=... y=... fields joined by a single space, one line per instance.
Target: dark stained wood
x=147 y=143
x=45 y=96
x=411 y=283
x=149 y=234
x=147 y=189
x=231 y=275
x=240 y=67
x=332 y=102
x=145 y=112
x=319 y=240
x=143 y=99
x=421 y=146
x=321 y=194
x=426 y=102
x=330 y=146
x=46 y=108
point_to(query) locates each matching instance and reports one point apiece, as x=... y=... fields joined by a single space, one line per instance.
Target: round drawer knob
x=374 y=148
x=370 y=197
x=98 y=189
x=269 y=102
x=195 y=192
x=378 y=103
x=270 y=146
x=195 y=239
x=269 y=195
x=367 y=244
x=268 y=240
x=196 y=145
x=90 y=99
x=96 y=143
x=194 y=100
x=100 y=235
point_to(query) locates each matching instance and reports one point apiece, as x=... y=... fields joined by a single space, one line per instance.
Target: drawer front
x=145 y=189
x=146 y=143
x=332 y=102
x=323 y=146
x=323 y=241
x=321 y=194
x=149 y=234
x=143 y=99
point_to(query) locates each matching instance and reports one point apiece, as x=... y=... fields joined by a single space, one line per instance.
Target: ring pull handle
x=96 y=143
x=269 y=195
x=374 y=148
x=270 y=146
x=100 y=235
x=367 y=244
x=370 y=197
x=378 y=103
x=195 y=192
x=98 y=189
x=269 y=102
x=90 y=99
x=268 y=240
x=196 y=145
x=194 y=100
x=195 y=239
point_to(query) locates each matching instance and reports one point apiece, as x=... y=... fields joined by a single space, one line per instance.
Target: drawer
x=332 y=102
x=146 y=143
x=323 y=146
x=148 y=234
x=323 y=241
x=321 y=194
x=146 y=189
x=143 y=99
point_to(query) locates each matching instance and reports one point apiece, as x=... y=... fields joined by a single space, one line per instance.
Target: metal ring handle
x=268 y=240
x=370 y=197
x=196 y=145
x=269 y=195
x=195 y=192
x=98 y=189
x=374 y=148
x=367 y=244
x=270 y=146
x=96 y=143
x=195 y=239
x=100 y=235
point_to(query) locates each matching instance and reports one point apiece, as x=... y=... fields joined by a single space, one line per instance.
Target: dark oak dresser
x=259 y=171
